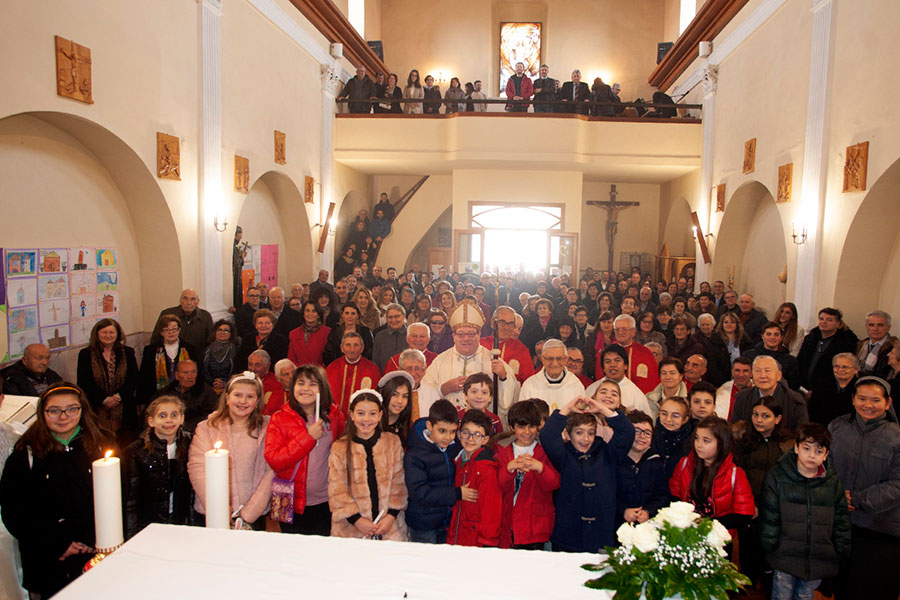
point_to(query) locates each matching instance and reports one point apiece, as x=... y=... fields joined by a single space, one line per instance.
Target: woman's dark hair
x=316 y=374
x=789 y=331
x=165 y=320
x=409 y=80
x=232 y=337
x=40 y=440
x=403 y=419
x=456 y=79
x=671 y=360
x=701 y=484
x=99 y=369
x=318 y=309
x=323 y=291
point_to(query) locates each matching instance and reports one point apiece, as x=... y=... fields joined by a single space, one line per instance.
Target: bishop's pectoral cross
x=612 y=218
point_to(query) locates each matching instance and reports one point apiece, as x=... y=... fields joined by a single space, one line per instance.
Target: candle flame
x=108 y=454
x=217 y=445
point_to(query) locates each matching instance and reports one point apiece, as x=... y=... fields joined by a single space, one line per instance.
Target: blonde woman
x=369 y=315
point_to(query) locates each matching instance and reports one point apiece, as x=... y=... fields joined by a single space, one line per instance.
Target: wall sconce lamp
x=332 y=226
x=798 y=232
x=694 y=231
x=220 y=223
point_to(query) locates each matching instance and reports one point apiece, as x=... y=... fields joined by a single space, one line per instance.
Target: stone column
x=710 y=74
x=331 y=86
x=812 y=199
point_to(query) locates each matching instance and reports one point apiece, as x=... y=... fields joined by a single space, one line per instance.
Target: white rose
x=679 y=514
x=718 y=536
x=646 y=537
x=625 y=534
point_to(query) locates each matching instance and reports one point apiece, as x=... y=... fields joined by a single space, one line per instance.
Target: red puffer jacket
x=288 y=442
x=477 y=523
x=531 y=519
x=731 y=492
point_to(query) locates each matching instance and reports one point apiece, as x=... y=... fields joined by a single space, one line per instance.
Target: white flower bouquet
x=677 y=553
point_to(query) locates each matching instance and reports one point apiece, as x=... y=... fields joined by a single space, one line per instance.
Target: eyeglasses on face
x=647 y=433
x=70 y=411
x=437 y=322
x=173 y=329
x=472 y=435
x=465 y=335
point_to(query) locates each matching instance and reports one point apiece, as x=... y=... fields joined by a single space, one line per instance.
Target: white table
x=189 y=562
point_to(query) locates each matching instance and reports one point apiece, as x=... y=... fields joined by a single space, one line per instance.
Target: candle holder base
x=97 y=558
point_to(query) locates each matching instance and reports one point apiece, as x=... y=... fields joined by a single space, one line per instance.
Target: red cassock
x=394 y=363
x=273 y=393
x=515 y=354
x=345 y=379
x=642 y=368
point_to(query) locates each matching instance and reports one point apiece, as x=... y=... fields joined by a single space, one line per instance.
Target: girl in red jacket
x=476 y=523
x=527 y=480
x=708 y=478
x=298 y=442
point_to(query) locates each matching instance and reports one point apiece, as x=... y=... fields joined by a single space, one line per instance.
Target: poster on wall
x=53 y=260
x=84 y=305
x=22 y=292
x=106 y=259
x=53 y=312
x=52 y=287
x=107 y=281
x=4 y=335
x=269 y=264
x=20 y=263
x=80 y=331
x=82 y=259
x=519 y=43
x=107 y=304
x=82 y=282
x=23 y=330
x=55 y=337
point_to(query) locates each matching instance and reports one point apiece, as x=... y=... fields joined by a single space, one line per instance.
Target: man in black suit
x=545 y=88
x=358 y=88
x=575 y=91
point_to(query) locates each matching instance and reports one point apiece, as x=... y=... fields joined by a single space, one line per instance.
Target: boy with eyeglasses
x=476 y=523
x=641 y=484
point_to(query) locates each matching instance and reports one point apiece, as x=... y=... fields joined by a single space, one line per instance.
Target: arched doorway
x=78 y=184
x=750 y=246
x=870 y=262
x=274 y=213
x=678 y=233
x=353 y=202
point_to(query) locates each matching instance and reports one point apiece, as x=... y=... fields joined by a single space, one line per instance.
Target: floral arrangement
x=675 y=554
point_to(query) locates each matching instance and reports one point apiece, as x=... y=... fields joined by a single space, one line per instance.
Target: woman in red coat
x=708 y=478
x=298 y=443
x=308 y=340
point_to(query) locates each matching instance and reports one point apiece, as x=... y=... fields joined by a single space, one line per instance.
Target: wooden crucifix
x=612 y=207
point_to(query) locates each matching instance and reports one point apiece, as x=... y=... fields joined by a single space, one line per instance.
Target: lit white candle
x=317 y=408
x=107 y=503
x=217 y=505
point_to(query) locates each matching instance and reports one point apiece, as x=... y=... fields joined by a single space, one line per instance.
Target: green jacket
x=804 y=523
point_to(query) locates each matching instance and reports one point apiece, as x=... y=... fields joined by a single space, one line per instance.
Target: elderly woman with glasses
x=159 y=360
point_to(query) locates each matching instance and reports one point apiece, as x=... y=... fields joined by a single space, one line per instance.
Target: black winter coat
x=126 y=391
x=757 y=456
x=532 y=332
x=46 y=506
x=642 y=485
x=430 y=477
x=150 y=479
x=671 y=446
x=822 y=376
x=804 y=524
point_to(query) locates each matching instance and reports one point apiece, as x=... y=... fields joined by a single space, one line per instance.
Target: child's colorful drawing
x=53 y=260
x=21 y=263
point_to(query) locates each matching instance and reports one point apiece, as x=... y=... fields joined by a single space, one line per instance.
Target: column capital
x=331 y=79
x=710 y=74
x=214 y=5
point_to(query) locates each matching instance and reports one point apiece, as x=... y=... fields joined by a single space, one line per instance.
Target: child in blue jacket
x=586 y=500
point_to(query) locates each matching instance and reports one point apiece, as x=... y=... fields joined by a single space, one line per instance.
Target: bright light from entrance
x=516 y=250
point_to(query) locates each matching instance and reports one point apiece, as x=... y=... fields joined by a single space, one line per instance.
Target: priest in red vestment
x=642 y=368
x=512 y=351
x=351 y=372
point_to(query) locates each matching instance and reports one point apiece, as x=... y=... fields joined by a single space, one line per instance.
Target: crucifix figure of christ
x=612 y=207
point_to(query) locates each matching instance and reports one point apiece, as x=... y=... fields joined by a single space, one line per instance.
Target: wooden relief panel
x=749 y=156
x=279 y=148
x=855 y=165
x=785 y=178
x=309 y=189
x=73 y=70
x=241 y=174
x=720 y=197
x=168 y=157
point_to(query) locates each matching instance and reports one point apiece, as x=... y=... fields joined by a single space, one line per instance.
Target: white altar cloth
x=168 y=561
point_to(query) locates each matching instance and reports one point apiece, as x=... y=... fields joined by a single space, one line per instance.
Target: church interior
x=152 y=130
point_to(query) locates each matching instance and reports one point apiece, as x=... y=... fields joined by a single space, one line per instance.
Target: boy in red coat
x=527 y=481
x=476 y=523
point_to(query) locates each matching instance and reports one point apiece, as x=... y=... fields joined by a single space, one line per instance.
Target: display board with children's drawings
x=54 y=296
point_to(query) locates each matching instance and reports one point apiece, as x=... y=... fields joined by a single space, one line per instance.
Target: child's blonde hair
x=256 y=417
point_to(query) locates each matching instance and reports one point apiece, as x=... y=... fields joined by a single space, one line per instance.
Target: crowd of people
x=544 y=93
x=503 y=410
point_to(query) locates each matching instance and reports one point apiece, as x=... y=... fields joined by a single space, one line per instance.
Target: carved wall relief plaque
x=73 y=70
x=785 y=179
x=168 y=157
x=749 y=156
x=720 y=197
x=280 y=148
x=855 y=164
x=309 y=189
x=241 y=174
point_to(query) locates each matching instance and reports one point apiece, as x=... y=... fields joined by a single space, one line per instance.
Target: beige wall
x=460 y=38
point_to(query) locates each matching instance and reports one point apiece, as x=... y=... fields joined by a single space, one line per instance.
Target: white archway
x=750 y=244
x=869 y=266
